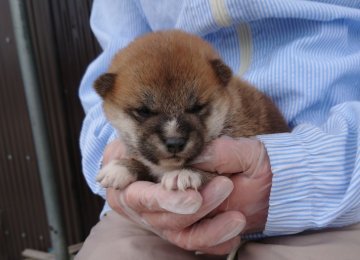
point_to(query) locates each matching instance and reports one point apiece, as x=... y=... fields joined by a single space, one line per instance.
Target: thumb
x=226 y=155
x=114 y=150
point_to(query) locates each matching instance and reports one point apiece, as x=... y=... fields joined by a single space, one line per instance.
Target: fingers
x=169 y=209
x=250 y=197
x=144 y=197
x=150 y=197
x=213 y=194
x=227 y=155
x=210 y=235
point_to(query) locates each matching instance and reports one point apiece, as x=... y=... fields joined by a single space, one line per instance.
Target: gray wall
x=22 y=215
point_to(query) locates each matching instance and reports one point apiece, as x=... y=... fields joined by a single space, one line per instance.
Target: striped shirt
x=305 y=55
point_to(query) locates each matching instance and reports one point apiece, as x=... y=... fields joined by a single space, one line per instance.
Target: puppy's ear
x=222 y=71
x=104 y=83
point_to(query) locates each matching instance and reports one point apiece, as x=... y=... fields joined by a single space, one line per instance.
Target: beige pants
x=117 y=238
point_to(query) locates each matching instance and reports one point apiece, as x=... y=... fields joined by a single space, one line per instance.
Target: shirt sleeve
x=115 y=24
x=316 y=174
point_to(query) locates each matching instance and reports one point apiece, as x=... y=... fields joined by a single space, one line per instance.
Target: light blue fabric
x=304 y=54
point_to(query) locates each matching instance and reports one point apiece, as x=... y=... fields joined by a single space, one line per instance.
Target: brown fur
x=171 y=87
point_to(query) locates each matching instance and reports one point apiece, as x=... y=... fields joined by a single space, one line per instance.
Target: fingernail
x=232 y=229
x=182 y=203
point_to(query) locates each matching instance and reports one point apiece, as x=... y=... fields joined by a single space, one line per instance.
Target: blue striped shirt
x=304 y=54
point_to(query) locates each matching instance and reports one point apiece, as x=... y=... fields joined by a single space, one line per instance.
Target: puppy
x=169 y=94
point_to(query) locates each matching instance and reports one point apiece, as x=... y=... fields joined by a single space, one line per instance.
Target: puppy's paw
x=115 y=175
x=181 y=180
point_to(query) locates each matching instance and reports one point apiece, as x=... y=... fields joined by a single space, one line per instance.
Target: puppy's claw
x=181 y=180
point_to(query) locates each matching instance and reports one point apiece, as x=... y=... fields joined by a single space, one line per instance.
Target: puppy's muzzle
x=175 y=144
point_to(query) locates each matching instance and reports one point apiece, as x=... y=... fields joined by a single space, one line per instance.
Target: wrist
x=286 y=153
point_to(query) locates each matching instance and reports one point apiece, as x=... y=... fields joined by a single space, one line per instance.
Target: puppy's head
x=167 y=95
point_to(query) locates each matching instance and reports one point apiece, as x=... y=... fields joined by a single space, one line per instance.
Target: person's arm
x=316 y=173
x=313 y=181
x=115 y=24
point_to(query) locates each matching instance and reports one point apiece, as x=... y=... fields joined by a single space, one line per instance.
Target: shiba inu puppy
x=169 y=94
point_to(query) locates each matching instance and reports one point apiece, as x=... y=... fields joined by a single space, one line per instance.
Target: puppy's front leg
x=121 y=172
x=186 y=178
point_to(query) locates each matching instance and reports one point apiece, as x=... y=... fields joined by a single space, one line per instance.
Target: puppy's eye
x=196 y=109
x=143 y=112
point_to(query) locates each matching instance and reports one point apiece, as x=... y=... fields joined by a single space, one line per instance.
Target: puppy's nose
x=175 y=145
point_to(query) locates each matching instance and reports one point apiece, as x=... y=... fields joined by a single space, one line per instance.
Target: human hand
x=246 y=162
x=179 y=216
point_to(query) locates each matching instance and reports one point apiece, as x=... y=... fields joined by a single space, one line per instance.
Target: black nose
x=175 y=145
